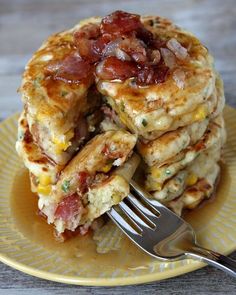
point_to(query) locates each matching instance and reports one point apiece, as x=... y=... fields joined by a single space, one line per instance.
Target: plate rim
x=107 y=281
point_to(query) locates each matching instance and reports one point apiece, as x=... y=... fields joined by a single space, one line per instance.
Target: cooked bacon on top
x=72 y=69
x=119 y=23
x=120 y=48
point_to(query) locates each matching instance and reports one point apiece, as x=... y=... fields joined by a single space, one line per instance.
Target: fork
x=161 y=233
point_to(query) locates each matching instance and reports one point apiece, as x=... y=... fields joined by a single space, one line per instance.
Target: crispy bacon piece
x=28 y=136
x=152 y=74
x=72 y=69
x=69 y=207
x=120 y=48
x=119 y=23
x=112 y=68
x=135 y=48
x=146 y=36
x=111 y=153
x=85 y=180
x=90 y=31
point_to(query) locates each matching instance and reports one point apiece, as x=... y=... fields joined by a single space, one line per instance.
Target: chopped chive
x=122 y=106
x=64 y=93
x=168 y=172
x=144 y=122
x=65 y=186
x=21 y=135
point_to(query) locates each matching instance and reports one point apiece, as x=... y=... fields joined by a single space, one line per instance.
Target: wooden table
x=23 y=26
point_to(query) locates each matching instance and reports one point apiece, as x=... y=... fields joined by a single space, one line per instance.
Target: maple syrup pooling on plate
x=82 y=249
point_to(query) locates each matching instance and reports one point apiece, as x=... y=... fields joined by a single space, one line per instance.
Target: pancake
x=155 y=107
x=171 y=143
x=55 y=108
x=43 y=171
x=195 y=194
x=88 y=186
x=198 y=169
x=214 y=137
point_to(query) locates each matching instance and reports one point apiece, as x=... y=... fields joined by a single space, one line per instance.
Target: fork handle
x=220 y=261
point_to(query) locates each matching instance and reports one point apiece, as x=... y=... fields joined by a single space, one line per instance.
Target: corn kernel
x=61 y=145
x=44 y=179
x=200 y=114
x=152 y=186
x=191 y=179
x=157 y=186
x=44 y=190
x=155 y=172
x=116 y=198
x=106 y=168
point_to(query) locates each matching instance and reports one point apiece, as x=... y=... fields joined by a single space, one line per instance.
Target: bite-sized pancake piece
x=214 y=137
x=100 y=154
x=43 y=171
x=195 y=194
x=198 y=169
x=90 y=173
x=56 y=105
x=155 y=107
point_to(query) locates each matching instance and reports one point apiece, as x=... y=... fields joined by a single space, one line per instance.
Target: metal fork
x=161 y=233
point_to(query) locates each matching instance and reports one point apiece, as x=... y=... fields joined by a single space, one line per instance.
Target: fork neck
x=213 y=258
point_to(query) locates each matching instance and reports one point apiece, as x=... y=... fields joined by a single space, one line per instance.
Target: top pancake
x=155 y=107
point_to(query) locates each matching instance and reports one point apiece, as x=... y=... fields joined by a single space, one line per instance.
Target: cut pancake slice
x=189 y=176
x=214 y=137
x=89 y=185
x=56 y=108
x=43 y=171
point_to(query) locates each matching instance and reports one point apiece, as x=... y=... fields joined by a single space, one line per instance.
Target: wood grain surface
x=25 y=24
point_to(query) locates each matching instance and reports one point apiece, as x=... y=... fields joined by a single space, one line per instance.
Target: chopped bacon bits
x=90 y=31
x=120 y=47
x=120 y=22
x=84 y=181
x=69 y=207
x=28 y=136
x=111 y=153
x=112 y=68
x=72 y=69
x=152 y=74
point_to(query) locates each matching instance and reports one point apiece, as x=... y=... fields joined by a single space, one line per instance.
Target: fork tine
x=157 y=206
x=133 y=216
x=142 y=209
x=122 y=223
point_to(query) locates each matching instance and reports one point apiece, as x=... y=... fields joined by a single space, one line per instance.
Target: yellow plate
x=27 y=244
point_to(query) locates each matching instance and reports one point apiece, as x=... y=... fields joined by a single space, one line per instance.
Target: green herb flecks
x=168 y=172
x=64 y=93
x=21 y=135
x=144 y=122
x=65 y=186
x=122 y=106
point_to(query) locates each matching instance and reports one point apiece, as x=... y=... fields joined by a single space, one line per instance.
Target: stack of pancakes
x=180 y=128
x=72 y=136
